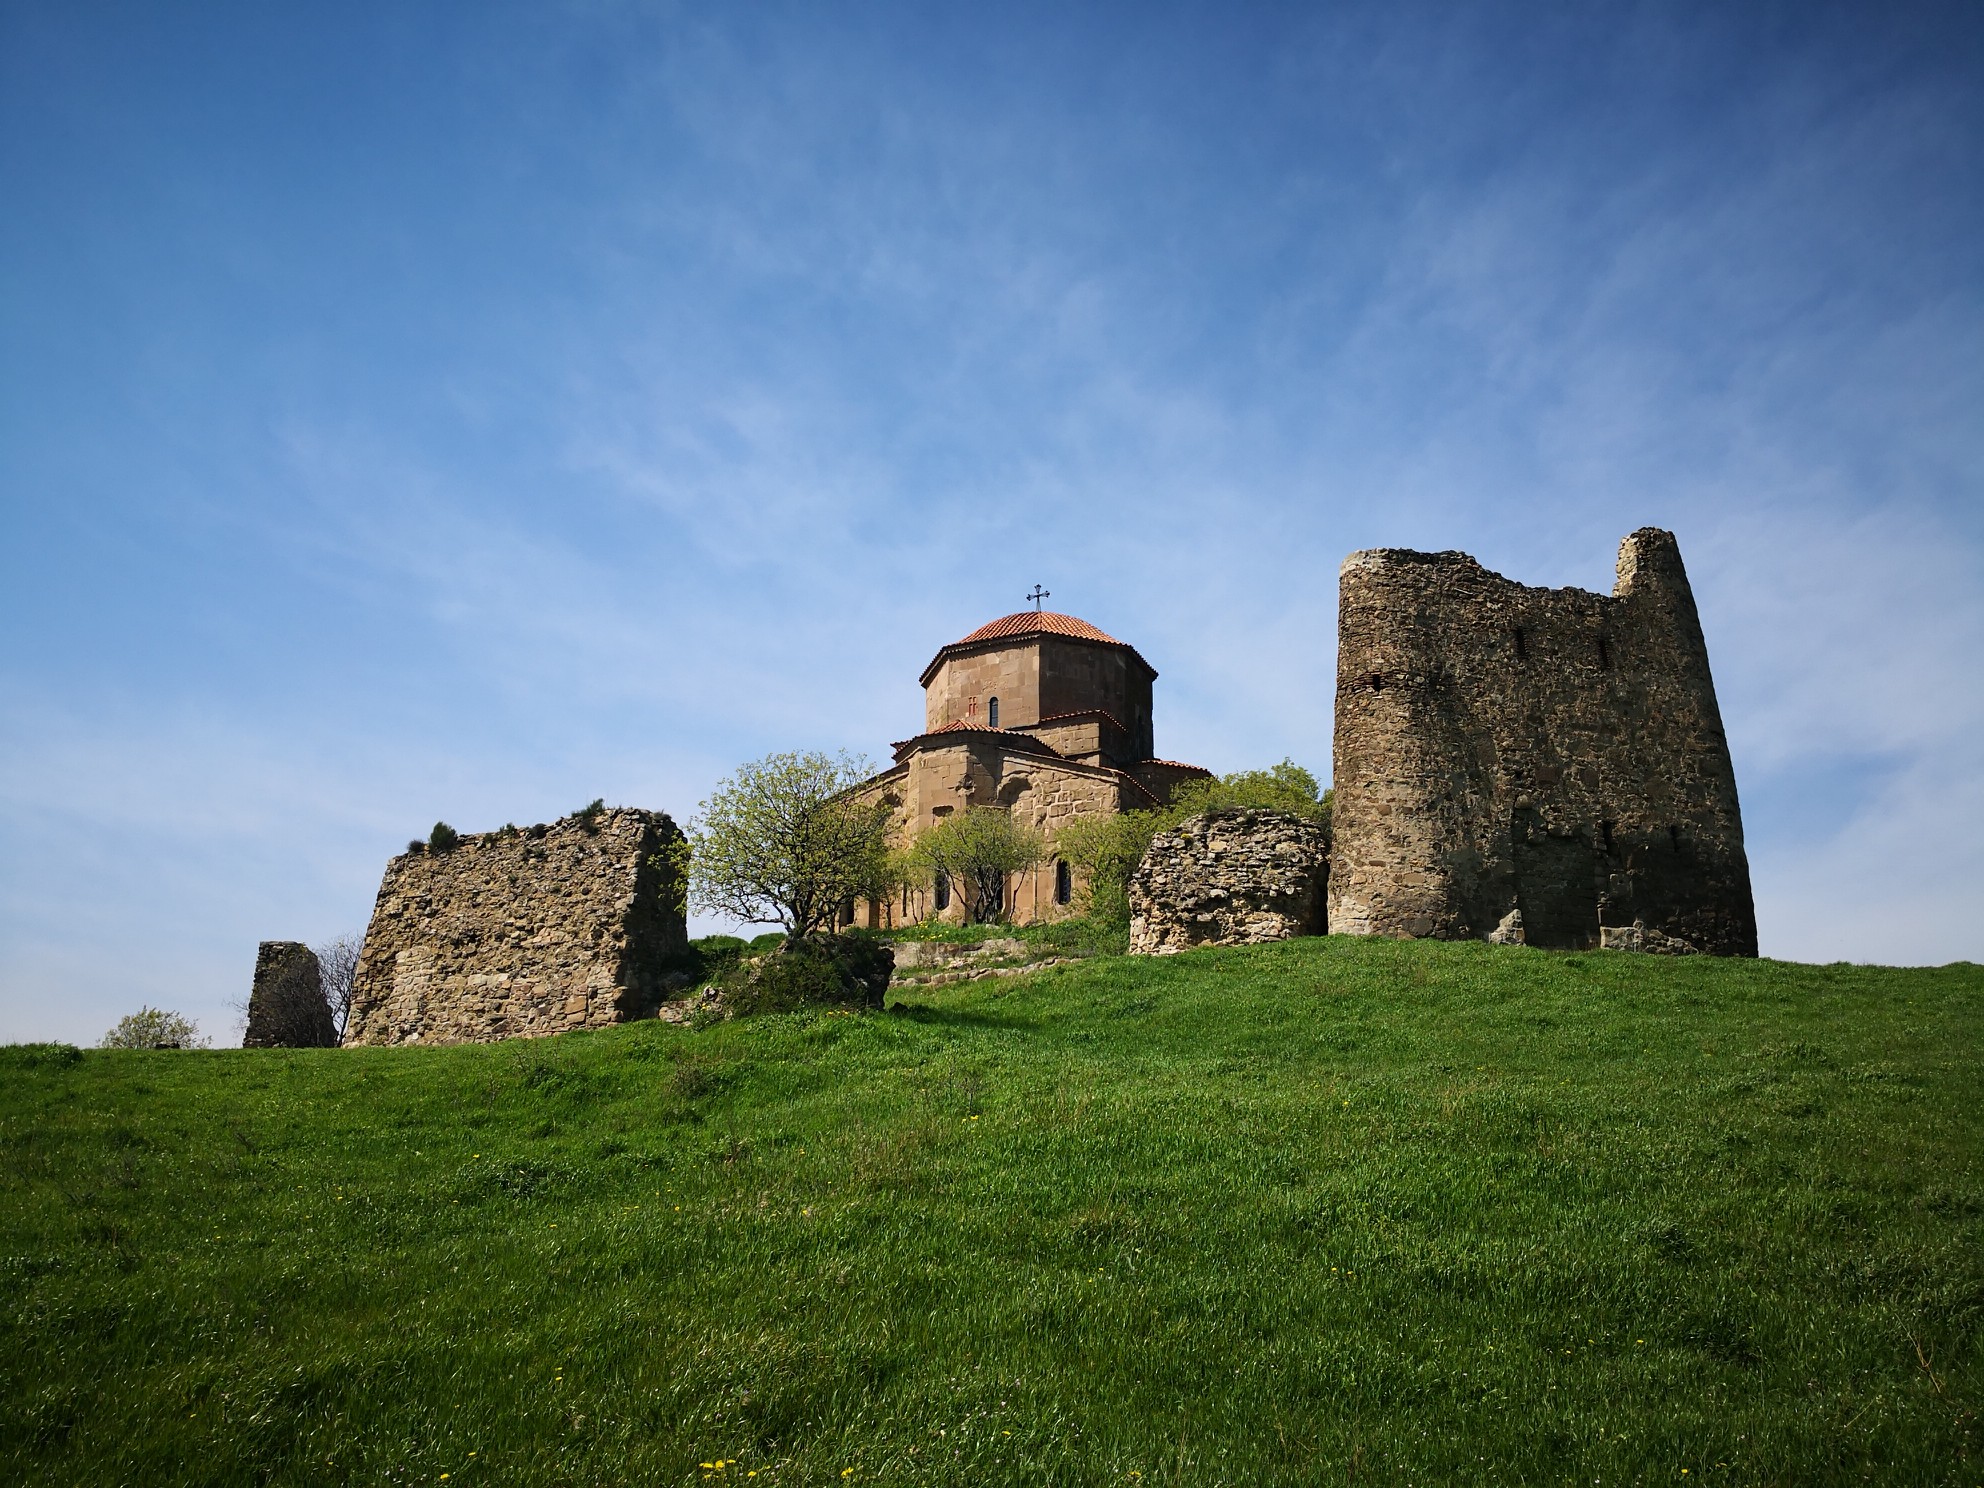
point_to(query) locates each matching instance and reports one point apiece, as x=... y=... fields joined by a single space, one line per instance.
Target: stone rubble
x=1229 y=877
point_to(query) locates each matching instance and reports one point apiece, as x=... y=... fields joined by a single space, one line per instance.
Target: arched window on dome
x=992 y=713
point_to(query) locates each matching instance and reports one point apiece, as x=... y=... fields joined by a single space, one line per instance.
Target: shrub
x=710 y=956
x=821 y=971
x=154 y=1028
x=443 y=838
x=28 y=1056
x=588 y=815
x=1285 y=787
x=1105 y=851
x=720 y=945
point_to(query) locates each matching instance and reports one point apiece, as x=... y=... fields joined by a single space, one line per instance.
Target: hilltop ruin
x=523 y=932
x=1544 y=766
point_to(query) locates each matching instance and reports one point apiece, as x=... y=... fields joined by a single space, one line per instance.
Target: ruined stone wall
x=286 y=1006
x=1536 y=765
x=521 y=933
x=1229 y=877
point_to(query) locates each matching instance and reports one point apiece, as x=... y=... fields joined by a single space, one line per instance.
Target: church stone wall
x=1076 y=677
x=964 y=686
x=1537 y=765
x=1044 y=793
x=522 y=933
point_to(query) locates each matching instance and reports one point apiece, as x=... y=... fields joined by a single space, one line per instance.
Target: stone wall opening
x=1556 y=885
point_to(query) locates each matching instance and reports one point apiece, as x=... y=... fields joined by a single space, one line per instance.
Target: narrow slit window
x=1522 y=644
x=1604 y=655
x=992 y=713
x=1377 y=682
x=1064 y=881
x=1605 y=832
x=1674 y=836
x=943 y=892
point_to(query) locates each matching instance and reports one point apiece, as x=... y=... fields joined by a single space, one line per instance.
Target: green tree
x=1102 y=852
x=978 y=851
x=782 y=842
x=154 y=1028
x=1105 y=851
x=1283 y=787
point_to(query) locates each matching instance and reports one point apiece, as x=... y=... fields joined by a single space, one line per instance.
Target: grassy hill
x=1328 y=1211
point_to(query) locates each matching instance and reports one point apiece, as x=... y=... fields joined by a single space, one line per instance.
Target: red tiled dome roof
x=1034 y=622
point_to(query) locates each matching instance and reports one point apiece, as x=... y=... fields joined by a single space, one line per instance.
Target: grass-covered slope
x=1329 y=1211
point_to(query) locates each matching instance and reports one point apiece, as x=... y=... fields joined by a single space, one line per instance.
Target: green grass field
x=1331 y=1211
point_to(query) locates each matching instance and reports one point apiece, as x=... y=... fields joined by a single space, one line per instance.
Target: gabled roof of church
x=1013 y=739
x=1034 y=623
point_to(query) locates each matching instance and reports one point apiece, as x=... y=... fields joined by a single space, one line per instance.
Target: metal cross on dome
x=1037 y=596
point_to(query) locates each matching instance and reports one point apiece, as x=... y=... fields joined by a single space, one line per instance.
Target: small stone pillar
x=287 y=1009
x=1229 y=877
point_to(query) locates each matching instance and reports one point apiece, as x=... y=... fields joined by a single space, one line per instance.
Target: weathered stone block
x=287 y=1008
x=516 y=934
x=1232 y=877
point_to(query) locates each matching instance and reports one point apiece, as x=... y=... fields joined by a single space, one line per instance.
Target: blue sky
x=421 y=411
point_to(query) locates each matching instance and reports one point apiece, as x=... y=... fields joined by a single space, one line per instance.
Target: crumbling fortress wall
x=286 y=1007
x=1229 y=877
x=1537 y=765
x=523 y=932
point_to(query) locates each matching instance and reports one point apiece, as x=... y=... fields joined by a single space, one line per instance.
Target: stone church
x=1039 y=714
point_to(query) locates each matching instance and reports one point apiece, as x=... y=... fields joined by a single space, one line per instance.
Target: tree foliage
x=154 y=1028
x=1105 y=851
x=977 y=851
x=1283 y=787
x=781 y=842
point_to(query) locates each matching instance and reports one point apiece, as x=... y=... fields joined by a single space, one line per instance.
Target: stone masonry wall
x=1537 y=765
x=1232 y=877
x=521 y=933
x=286 y=1007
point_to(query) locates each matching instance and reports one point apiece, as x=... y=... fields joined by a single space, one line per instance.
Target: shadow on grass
x=921 y=1012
